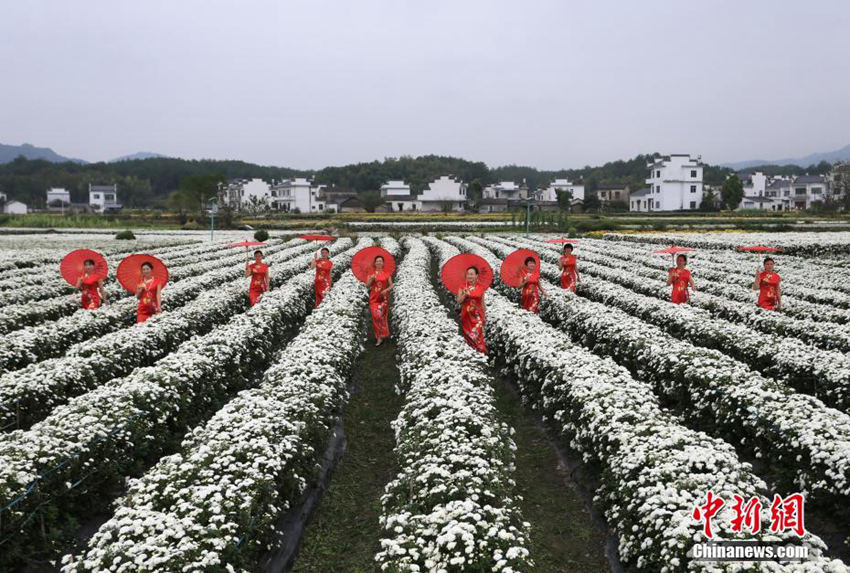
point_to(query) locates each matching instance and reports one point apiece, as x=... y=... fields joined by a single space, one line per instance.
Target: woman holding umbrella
x=259 y=273
x=91 y=285
x=149 y=293
x=569 y=272
x=380 y=284
x=680 y=279
x=530 y=283
x=470 y=297
x=322 y=282
x=767 y=283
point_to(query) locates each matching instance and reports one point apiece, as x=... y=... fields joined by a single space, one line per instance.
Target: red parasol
x=71 y=266
x=363 y=262
x=674 y=250
x=130 y=271
x=514 y=263
x=453 y=273
x=323 y=238
x=247 y=244
x=562 y=240
x=759 y=249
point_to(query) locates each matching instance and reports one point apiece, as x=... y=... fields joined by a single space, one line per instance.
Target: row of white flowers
x=826 y=335
x=811 y=370
x=93 y=441
x=29 y=394
x=652 y=470
x=214 y=505
x=654 y=266
x=809 y=442
x=452 y=507
x=35 y=312
x=796 y=243
x=49 y=339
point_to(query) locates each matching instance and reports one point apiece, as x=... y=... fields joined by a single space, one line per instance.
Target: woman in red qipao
x=322 y=282
x=259 y=273
x=530 y=283
x=380 y=284
x=569 y=272
x=471 y=300
x=767 y=283
x=149 y=293
x=92 y=287
x=680 y=278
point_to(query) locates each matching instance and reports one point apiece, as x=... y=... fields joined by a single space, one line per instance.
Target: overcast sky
x=312 y=83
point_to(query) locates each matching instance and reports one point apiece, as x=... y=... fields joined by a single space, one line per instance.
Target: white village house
x=444 y=194
x=14 y=207
x=675 y=184
x=297 y=194
x=550 y=193
x=103 y=198
x=398 y=197
x=58 y=199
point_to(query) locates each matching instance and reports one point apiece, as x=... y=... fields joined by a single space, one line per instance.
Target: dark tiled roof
x=641 y=192
x=809 y=179
x=611 y=186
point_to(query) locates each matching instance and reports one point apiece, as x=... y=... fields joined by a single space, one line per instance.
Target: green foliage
x=732 y=192
x=564 y=198
x=371 y=200
x=261 y=235
x=709 y=201
x=125 y=235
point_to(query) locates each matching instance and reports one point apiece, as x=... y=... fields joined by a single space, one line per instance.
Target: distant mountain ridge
x=138 y=155
x=842 y=154
x=8 y=153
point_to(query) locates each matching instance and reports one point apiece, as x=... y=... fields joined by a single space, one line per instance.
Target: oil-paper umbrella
x=72 y=264
x=511 y=269
x=321 y=238
x=247 y=244
x=674 y=250
x=561 y=241
x=363 y=262
x=759 y=249
x=453 y=273
x=129 y=271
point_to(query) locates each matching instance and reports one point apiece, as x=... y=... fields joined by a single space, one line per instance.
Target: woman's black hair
x=378 y=257
x=473 y=268
x=568 y=246
x=768 y=259
x=529 y=260
x=147 y=264
x=683 y=256
x=88 y=262
x=258 y=251
x=325 y=249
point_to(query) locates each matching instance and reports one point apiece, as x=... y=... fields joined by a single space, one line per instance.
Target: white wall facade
x=297 y=193
x=15 y=208
x=444 y=193
x=102 y=196
x=675 y=183
x=58 y=193
x=550 y=193
x=395 y=187
x=502 y=190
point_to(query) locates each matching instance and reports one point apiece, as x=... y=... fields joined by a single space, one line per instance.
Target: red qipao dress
x=379 y=305
x=259 y=276
x=91 y=296
x=531 y=291
x=768 y=285
x=472 y=318
x=569 y=274
x=322 y=282
x=681 y=279
x=147 y=300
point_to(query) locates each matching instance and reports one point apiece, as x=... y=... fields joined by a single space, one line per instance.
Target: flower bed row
x=28 y=395
x=34 y=343
x=822 y=373
x=652 y=470
x=87 y=446
x=808 y=442
x=214 y=504
x=452 y=507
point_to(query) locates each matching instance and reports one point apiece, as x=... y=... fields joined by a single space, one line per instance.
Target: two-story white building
x=503 y=190
x=444 y=194
x=103 y=198
x=807 y=189
x=58 y=199
x=246 y=194
x=297 y=195
x=398 y=196
x=550 y=193
x=675 y=183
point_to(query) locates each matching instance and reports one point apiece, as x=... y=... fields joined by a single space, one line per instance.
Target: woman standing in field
x=259 y=273
x=569 y=272
x=530 y=283
x=91 y=285
x=680 y=278
x=380 y=284
x=322 y=282
x=767 y=283
x=149 y=293
x=471 y=300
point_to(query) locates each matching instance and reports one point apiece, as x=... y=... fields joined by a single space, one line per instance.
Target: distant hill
x=842 y=154
x=135 y=156
x=8 y=153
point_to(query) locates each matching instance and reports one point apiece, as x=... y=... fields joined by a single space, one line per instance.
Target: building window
x=693 y=173
x=816 y=190
x=97 y=195
x=693 y=188
x=693 y=204
x=658 y=204
x=800 y=191
x=658 y=173
x=658 y=188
